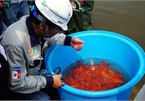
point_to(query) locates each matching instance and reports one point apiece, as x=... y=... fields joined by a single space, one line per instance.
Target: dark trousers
x=44 y=94
x=4 y=79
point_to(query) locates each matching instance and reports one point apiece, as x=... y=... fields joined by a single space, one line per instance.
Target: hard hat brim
x=64 y=27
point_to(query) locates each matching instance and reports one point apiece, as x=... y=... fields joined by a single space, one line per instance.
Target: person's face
x=52 y=31
x=48 y=31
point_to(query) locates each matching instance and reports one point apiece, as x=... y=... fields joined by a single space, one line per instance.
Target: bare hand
x=57 y=81
x=76 y=43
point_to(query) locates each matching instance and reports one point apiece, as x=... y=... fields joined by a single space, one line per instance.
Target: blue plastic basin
x=100 y=44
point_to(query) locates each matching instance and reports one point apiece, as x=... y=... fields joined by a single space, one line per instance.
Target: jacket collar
x=34 y=39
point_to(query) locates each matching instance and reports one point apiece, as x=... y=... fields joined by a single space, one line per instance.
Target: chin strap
x=43 y=19
x=47 y=35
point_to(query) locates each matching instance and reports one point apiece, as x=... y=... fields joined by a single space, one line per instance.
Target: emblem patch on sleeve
x=16 y=74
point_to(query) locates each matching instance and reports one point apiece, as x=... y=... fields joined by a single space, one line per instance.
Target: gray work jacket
x=23 y=56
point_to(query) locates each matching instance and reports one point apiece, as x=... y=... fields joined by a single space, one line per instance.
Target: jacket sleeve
x=20 y=81
x=57 y=39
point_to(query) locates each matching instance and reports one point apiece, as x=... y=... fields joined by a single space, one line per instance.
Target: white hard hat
x=58 y=12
